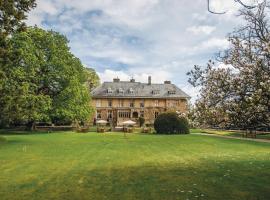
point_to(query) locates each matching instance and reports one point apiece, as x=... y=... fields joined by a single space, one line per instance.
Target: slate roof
x=123 y=89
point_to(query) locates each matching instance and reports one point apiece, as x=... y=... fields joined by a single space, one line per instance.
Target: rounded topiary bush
x=170 y=123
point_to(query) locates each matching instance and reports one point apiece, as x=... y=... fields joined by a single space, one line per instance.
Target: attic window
x=109 y=91
x=120 y=90
x=155 y=92
x=171 y=92
x=131 y=91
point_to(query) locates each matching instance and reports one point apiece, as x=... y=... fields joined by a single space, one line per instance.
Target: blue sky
x=125 y=38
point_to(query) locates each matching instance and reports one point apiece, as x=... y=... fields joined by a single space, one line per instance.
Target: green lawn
x=109 y=166
x=228 y=133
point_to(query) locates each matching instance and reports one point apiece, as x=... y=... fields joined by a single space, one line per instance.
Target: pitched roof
x=129 y=89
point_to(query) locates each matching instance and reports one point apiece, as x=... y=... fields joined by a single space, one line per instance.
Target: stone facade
x=118 y=108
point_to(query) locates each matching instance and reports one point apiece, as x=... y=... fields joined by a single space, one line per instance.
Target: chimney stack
x=149 y=80
x=132 y=80
x=116 y=80
x=167 y=82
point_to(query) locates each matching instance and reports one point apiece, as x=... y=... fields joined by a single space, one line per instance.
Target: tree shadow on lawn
x=214 y=179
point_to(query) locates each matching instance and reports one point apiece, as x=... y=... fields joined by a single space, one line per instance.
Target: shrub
x=170 y=123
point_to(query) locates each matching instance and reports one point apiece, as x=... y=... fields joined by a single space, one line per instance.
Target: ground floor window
x=156 y=114
x=98 y=114
x=141 y=113
x=124 y=114
x=109 y=114
x=135 y=115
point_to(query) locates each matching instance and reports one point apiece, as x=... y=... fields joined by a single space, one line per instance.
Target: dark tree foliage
x=171 y=123
x=45 y=81
x=141 y=121
x=12 y=16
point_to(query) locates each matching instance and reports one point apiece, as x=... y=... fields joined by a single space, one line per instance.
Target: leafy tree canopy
x=92 y=78
x=45 y=81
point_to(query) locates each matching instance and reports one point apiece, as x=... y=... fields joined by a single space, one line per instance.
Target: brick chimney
x=149 y=80
x=132 y=80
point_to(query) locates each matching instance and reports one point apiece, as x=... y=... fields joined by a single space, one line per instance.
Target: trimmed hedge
x=170 y=123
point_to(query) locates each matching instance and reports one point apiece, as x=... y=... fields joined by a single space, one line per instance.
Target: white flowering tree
x=238 y=95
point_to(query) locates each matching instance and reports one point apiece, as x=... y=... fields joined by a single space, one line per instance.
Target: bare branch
x=237 y=1
x=246 y=6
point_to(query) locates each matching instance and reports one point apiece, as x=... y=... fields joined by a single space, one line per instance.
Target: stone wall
x=152 y=107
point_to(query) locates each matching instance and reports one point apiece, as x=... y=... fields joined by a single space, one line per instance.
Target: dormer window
x=131 y=91
x=155 y=92
x=171 y=92
x=121 y=91
x=109 y=91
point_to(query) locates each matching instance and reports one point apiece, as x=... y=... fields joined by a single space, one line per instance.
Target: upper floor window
x=98 y=103
x=131 y=103
x=142 y=103
x=121 y=103
x=109 y=103
x=172 y=103
x=156 y=103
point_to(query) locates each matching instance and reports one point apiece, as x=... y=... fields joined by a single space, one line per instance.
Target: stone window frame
x=98 y=103
x=109 y=114
x=121 y=103
x=109 y=102
x=156 y=114
x=124 y=114
x=98 y=114
x=142 y=103
x=156 y=102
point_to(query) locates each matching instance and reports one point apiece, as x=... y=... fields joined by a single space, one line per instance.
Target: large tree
x=239 y=95
x=12 y=16
x=45 y=81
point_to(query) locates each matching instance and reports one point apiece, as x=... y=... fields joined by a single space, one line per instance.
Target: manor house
x=118 y=101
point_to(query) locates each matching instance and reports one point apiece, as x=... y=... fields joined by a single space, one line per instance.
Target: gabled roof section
x=139 y=90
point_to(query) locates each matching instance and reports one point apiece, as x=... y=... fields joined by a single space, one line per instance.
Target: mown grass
x=228 y=133
x=2 y=139
x=112 y=166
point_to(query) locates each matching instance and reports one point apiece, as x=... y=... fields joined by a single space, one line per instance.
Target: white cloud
x=162 y=38
x=219 y=43
x=157 y=77
x=201 y=29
